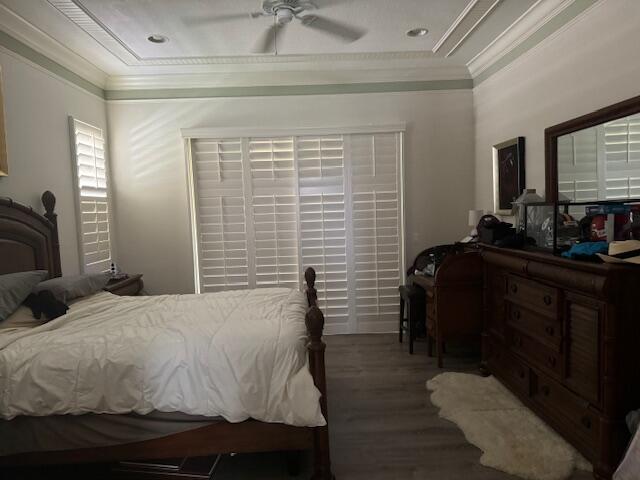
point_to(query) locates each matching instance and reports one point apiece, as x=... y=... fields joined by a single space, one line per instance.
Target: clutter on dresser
x=528 y=195
x=492 y=230
x=626 y=251
x=556 y=227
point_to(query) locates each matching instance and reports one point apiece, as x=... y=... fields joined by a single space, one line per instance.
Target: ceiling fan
x=283 y=13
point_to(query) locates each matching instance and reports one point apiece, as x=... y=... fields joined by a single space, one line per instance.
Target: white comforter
x=238 y=355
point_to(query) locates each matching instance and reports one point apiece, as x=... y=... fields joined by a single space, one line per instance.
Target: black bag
x=492 y=230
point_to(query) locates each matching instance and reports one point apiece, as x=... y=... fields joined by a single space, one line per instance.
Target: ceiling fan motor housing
x=284 y=15
x=286 y=10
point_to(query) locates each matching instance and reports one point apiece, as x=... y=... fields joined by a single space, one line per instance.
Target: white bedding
x=238 y=354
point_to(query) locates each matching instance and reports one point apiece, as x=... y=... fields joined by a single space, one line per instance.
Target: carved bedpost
x=49 y=202
x=314 y=321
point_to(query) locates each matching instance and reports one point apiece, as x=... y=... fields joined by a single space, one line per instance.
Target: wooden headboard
x=28 y=240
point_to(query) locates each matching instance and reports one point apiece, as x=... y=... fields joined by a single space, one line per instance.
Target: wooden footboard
x=219 y=437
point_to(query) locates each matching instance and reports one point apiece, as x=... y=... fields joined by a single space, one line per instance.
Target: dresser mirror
x=595 y=157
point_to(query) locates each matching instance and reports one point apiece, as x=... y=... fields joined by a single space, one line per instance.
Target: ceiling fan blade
x=207 y=19
x=332 y=27
x=267 y=41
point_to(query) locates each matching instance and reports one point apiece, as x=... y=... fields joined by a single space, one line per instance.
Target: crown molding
x=321 y=75
x=471 y=18
x=539 y=14
x=287 y=90
x=17 y=27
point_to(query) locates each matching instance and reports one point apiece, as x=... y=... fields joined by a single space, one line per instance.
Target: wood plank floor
x=383 y=426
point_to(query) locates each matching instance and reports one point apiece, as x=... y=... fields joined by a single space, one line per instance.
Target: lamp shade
x=474 y=217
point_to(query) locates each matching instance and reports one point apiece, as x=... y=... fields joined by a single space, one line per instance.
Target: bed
x=29 y=241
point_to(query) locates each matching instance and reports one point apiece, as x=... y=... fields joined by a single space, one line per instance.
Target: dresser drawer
x=582 y=421
x=535 y=352
x=507 y=367
x=537 y=296
x=540 y=327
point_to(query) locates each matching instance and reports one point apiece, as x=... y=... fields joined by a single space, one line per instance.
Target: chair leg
x=439 y=345
x=429 y=345
x=401 y=319
x=412 y=327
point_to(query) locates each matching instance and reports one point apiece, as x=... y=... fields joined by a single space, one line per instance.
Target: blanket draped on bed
x=238 y=354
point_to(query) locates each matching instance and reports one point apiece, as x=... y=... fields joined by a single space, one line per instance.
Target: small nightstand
x=129 y=286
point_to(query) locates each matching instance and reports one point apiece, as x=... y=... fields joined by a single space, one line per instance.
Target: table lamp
x=474 y=219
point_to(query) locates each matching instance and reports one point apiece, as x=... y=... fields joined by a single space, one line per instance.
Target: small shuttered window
x=92 y=188
x=266 y=207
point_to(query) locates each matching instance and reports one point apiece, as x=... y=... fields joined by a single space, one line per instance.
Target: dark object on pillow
x=15 y=287
x=45 y=302
x=69 y=287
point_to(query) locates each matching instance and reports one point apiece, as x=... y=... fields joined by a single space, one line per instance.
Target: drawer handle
x=516 y=314
x=550 y=330
x=547 y=300
x=514 y=287
x=552 y=361
x=586 y=422
x=545 y=390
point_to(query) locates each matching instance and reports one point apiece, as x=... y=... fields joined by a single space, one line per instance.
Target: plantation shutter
x=265 y=207
x=220 y=208
x=375 y=201
x=93 y=204
x=323 y=236
x=275 y=219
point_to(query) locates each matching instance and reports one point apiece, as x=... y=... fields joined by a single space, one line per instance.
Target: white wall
x=37 y=105
x=148 y=166
x=590 y=64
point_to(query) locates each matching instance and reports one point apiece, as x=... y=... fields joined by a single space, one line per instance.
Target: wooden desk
x=454 y=300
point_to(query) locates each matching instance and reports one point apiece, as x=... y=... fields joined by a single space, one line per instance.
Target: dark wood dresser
x=564 y=336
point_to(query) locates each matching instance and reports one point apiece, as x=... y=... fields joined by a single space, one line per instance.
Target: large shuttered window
x=92 y=188
x=265 y=207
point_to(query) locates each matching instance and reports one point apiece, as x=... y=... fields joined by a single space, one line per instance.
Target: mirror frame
x=551 y=134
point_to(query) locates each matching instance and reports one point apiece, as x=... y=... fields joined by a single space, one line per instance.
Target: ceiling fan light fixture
x=157 y=38
x=417 y=32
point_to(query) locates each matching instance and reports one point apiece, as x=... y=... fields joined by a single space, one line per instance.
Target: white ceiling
x=109 y=37
x=190 y=35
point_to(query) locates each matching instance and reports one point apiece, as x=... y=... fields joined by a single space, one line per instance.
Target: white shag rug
x=512 y=438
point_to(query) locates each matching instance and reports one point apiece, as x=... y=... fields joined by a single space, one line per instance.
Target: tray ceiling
x=110 y=36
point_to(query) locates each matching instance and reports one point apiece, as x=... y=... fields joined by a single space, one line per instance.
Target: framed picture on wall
x=4 y=165
x=508 y=174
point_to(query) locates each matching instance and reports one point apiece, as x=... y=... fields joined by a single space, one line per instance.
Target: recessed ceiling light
x=417 y=32
x=156 y=38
